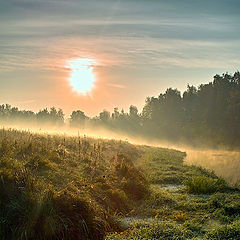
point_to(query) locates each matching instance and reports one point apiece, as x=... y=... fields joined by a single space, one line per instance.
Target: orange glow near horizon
x=82 y=78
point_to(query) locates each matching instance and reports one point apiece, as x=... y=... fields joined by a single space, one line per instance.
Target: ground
x=58 y=187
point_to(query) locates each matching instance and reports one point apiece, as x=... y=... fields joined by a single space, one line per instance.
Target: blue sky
x=141 y=46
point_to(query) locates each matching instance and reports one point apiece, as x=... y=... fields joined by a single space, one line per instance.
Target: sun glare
x=82 y=77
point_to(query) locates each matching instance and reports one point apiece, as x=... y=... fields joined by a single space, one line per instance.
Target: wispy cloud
x=117 y=85
x=26 y=101
x=139 y=44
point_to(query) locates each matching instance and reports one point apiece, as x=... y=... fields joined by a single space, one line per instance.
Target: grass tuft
x=204 y=185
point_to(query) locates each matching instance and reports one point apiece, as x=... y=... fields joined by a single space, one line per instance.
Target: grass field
x=185 y=202
x=57 y=187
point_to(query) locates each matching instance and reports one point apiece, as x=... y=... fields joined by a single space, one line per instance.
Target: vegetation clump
x=204 y=185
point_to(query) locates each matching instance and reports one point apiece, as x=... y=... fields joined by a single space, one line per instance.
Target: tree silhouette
x=77 y=119
x=208 y=114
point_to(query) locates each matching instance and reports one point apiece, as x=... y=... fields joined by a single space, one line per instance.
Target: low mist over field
x=203 y=121
x=224 y=163
x=207 y=115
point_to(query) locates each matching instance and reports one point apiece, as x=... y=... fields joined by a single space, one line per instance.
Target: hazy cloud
x=117 y=85
x=130 y=39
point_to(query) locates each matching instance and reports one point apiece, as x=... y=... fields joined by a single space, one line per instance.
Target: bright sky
x=127 y=49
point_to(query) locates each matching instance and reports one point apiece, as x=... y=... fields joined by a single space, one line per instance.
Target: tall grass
x=57 y=187
x=205 y=185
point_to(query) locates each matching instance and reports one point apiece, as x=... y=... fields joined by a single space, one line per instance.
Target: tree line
x=207 y=114
x=12 y=115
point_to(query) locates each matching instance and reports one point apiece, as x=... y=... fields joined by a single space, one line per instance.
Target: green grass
x=229 y=231
x=205 y=185
x=154 y=231
x=57 y=187
x=185 y=202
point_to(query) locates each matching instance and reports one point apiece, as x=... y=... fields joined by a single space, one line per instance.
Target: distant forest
x=208 y=115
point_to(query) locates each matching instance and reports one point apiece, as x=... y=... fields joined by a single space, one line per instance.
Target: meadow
x=63 y=187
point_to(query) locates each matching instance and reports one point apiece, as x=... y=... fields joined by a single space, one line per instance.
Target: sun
x=82 y=77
